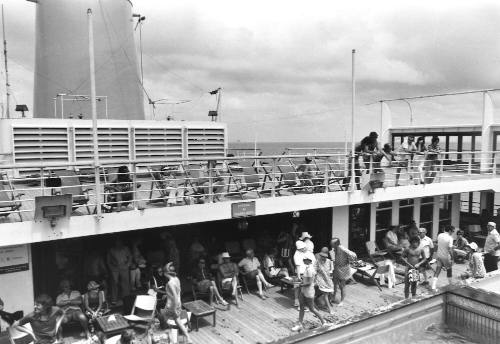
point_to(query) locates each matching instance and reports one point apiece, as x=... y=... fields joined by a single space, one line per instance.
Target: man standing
x=250 y=267
x=119 y=259
x=172 y=309
x=298 y=259
x=306 y=296
x=427 y=246
x=341 y=267
x=306 y=238
x=491 y=248
x=444 y=255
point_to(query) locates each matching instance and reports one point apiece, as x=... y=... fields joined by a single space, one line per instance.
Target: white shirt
x=298 y=259
x=444 y=243
x=309 y=245
x=492 y=240
x=427 y=245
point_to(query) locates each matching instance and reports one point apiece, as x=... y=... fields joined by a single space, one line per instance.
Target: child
x=476 y=266
x=413 y=256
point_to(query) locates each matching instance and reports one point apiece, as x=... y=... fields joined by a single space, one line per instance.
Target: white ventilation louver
x=157 y=144
x=113 y=144
x=205 y=142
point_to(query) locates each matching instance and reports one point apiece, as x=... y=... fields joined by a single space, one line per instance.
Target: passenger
x=121 y=189
x=157 y=286
x=307 y=172
x=119 y=259
x=444 y=255
x=427 y=246
x=9 y=318
x=476 y=266
x=204 y=282
x=413 y=231
x=306 y=295
x=229 y=274
x=250 y=267
x=95 y=269
x=391 y=239
x=370 y=151
x=94 y=303
x=491 y=248
x=137 y=265
x=272 y=266
x=207 y=172
x=341 y=268
x=403 y=239
x=323 y=279
x=407 y=152
x=306 y=238
x=413 y=257
x=389 y=161
x=460 y=248
x=44 y=320
x=432 y=160
x=419 y=159
x=70 y=301
x=298 y=259
x=173 y=183
x=172 y=309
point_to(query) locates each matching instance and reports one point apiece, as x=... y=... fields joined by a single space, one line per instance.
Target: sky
x=285 y=67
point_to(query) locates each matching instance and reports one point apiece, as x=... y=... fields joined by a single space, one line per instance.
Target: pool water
x=439 y=334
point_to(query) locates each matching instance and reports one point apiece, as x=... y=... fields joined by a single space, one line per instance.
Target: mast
x=353 y=105
x=7 y=85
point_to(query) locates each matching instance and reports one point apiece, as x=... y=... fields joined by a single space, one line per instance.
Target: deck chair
x=70 y=184
x=308 y=184
x=374 y=253
x=161 y=184
x=380 y=270
x=20 y=337
x=144 y=309
x=335 y=173
x=228 y=292
x=245 y=179
x=10 y=202
x=288 y=178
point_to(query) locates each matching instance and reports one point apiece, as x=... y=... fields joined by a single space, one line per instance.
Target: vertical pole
x=7 y=85
x=219 y=95
x=62 y=105
x=140 y=47
x=94 y=113
x=353 y=104
x=55 y=107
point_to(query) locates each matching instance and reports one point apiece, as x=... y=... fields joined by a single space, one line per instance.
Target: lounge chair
x=161 y=180
x=9 y=200
x=335 y=173
x=309 y=184
x=245 y=179
x=288 y=178
x=70 y=184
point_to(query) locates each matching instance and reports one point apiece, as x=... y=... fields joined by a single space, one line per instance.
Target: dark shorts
x=204 y=286
x=72 y=315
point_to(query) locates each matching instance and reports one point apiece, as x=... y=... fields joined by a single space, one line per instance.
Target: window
x=444 y=210
x=405 y=212
x=383 y=221
x=426 y=214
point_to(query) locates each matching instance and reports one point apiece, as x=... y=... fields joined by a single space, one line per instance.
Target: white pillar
x=385 y=123
x=455 y=210
x=395 y=213
x=435 y=217
x=487 y=137
x=416 y=210
x=373 y=221
x=340 y=224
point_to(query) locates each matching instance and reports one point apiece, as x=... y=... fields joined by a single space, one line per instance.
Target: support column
x=373 y=221
x=435 y=217
x=487 y=137
x=416 y=210
x=395 y=213
x=340 y=224
x=455 y=210
x=385 y=122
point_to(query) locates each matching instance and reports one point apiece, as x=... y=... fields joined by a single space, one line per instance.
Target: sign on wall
x=14 y=259
x=243 y=209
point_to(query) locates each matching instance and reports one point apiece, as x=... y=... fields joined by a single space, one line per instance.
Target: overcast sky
x=285 y=66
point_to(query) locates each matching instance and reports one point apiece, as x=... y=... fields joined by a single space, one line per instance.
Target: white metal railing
x=176 y=182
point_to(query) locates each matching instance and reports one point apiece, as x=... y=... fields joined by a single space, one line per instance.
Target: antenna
x=165 y=101
x=7 y=85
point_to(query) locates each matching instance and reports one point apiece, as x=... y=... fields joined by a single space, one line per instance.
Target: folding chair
x=144 y=309
x=375 y=254
x=245 y=179
x=70 y=184
x=229 y=291
x=335 y=174
x=161 y=184
x=9 y=201
x=22 y=337
x=288 y=178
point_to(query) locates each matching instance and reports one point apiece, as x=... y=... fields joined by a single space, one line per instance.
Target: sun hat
x=92 y=285
x=225 y=255
x=300 y=245
x=422 y=230
x=305 y=235
x=170 y=269
x=492 y=224
x=323 y=254
x=473 y=246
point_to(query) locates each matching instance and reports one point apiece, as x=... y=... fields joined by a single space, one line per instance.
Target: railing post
x=494 y=158
x=469 y=166
x=42 y=184
x=327 y=177
x=210 y=183
x=134 y=185
x=97 y=190
x=273 y=178
x=441 y=167
x=353 y=172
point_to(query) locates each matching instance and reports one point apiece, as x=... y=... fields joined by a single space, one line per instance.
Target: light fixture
x=22 y=108
x=53 y=213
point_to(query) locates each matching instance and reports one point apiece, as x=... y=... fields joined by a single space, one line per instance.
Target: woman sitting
x=94 y=303
x=157 y=285
x=204 y=282
x=121 y=189
x=272 y=267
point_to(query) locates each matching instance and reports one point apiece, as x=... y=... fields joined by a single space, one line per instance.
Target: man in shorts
x=444 y=255
x=491 y=248
x=427 y=246
x=172 y=308
x=413 y=257
x=306 y=295
x=250 y=267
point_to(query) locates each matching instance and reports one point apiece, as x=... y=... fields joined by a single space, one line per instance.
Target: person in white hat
x=298 y=259
x=306 y=238
x=444 y=255
x=476 y=267
x=229 y=272
x=491 y=248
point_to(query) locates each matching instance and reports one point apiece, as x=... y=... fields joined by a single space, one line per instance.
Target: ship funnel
x=62 y=79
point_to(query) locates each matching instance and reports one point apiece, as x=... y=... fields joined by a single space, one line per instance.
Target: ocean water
x=276 y=148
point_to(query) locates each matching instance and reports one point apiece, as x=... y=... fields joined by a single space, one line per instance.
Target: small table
x=114 y=323
x=200 y=309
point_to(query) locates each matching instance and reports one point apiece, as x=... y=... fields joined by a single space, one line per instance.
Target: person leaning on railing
x=431 y=160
